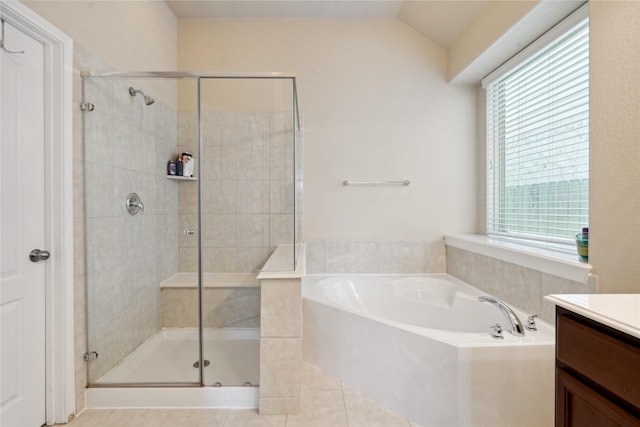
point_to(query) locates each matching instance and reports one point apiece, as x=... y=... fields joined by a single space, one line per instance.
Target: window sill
x=545 y=260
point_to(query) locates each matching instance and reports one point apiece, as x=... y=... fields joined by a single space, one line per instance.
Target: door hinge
x=92 y=355
x=87 y=106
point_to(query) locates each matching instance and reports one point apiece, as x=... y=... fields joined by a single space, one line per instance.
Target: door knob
x=38 y=255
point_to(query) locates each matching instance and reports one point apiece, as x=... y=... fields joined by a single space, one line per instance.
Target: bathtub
x=420 y=345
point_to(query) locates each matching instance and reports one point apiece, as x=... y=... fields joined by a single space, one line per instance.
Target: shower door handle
x=37 y=255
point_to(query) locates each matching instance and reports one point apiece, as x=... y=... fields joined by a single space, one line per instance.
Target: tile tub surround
x=375 y=256
x=522 y=287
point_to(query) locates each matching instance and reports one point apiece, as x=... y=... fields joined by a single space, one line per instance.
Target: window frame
x=561 y=244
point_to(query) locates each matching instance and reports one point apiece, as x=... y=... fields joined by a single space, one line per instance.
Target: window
x=538 y=138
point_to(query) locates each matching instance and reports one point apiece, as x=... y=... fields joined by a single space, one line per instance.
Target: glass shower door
x=131 y=227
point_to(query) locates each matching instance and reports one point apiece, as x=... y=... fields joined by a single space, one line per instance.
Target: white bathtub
x=420 y=344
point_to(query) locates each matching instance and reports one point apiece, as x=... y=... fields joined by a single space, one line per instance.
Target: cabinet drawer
x=577 y=406
x=611 y=363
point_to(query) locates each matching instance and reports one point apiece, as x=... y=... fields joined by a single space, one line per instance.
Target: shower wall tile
x=99 y=93
x=219 y=230
x=126 y=107
x=281 y=197
x=188 y=199
x=219 y=196
x=229 y=308
x=222 y=307
x=212 y=124
x=281 y=159
x=219 y=260
x=188 y=221
x=101 y=245
x=179 y=308
x=98 y=190
x=188 y=259
x=79 y=259
x=148 y=157
x=252 y=161
x=212 y=162
x=250 y=259
x=252 y=196
x=252 y=230
x=78 y=127
x=280 y=229
x=98 y=147
x=247 y=199
x=126 y=147
x=80 y=307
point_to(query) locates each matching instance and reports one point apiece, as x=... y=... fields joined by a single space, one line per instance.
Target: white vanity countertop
x=619 y=311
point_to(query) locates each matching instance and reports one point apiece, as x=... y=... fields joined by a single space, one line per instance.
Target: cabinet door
x=578 y=405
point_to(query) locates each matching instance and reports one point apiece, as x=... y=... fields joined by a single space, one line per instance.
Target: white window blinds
x=538 y=142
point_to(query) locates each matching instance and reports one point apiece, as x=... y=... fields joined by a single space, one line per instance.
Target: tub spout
x=516 y=325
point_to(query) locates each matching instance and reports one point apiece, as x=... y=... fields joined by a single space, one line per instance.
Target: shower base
x=230 y=379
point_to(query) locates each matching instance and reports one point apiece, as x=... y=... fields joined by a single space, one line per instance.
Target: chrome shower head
x=147 y=99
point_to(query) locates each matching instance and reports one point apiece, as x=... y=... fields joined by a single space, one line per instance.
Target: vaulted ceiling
x=442 y=21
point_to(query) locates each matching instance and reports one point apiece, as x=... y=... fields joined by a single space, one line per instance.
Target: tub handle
x=496 y=331
x=531 y=323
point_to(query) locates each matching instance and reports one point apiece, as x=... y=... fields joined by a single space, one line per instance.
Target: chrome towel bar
x=402 y=183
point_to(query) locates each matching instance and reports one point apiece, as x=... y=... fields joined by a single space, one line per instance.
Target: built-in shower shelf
x=182 y=178
x=212 y=280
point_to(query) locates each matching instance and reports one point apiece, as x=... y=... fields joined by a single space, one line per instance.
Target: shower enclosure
x=173 y=247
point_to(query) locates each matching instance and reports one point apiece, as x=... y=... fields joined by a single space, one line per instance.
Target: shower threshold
x=168 y=357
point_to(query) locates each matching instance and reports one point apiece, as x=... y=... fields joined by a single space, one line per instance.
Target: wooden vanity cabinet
x=597 y=373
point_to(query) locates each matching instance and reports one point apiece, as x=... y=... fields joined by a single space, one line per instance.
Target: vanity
x=597 y=360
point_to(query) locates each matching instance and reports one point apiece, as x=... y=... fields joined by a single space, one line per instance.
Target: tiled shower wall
x=247 y=210
x=519 y=286
x=126 y=147
x=248 y=189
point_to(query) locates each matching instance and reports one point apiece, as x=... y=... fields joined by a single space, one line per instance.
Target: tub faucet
x=516 y=325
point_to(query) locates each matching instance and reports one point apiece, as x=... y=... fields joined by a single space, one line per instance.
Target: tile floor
x=326 y=402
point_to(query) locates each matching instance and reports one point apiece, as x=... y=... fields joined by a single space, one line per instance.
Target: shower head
x=147 y=99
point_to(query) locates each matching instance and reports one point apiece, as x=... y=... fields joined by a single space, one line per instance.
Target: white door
x=22 y=287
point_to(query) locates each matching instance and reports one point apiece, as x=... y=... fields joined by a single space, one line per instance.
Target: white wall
x=126 y=35
x=375 y=105
x=614 y=245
